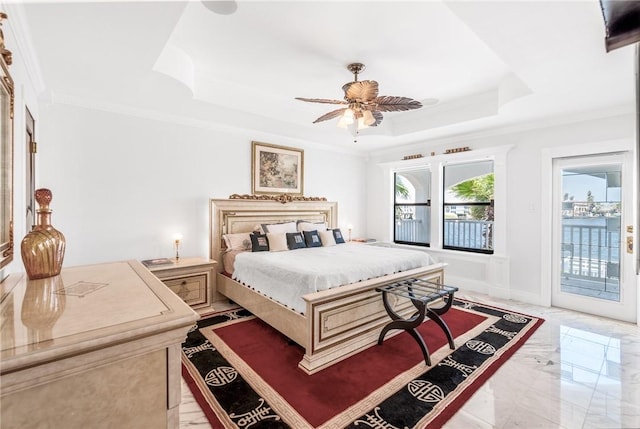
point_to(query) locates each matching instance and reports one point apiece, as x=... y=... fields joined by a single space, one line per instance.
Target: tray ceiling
x=489 y=63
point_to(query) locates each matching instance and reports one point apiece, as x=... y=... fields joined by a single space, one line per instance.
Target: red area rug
x=244 y=373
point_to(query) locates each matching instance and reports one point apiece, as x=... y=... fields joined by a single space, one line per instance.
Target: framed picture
x=276 y=169
x=6 y=154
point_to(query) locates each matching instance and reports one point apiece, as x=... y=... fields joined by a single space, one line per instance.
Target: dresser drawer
x=192 y=289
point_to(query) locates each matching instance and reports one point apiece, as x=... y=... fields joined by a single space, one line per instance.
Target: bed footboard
x=345 y=320
x=338 y=323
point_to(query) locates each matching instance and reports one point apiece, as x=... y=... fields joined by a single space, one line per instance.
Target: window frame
x=445 y=204
x=396 y=204
x=435 y=164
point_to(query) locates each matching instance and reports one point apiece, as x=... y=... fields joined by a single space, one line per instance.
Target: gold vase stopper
x=43 y=248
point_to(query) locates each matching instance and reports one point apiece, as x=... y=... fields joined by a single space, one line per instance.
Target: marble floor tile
x=491 y=405
x=463 y=419
x=191 y=415
x=576 y=371
x=527 y=418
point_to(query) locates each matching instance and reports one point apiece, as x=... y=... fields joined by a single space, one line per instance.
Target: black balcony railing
x=590 y=251
x=460 y=234
x=590 y=260
x=411 y=231
x=468 y=234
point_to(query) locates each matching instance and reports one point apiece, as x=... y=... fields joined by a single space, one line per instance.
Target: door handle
x=629 y=244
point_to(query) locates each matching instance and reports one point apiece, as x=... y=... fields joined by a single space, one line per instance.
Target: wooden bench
x=421 y=292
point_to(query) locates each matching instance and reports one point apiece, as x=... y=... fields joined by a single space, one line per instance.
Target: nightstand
x=191 y=279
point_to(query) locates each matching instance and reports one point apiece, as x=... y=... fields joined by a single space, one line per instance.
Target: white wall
x=517 y=273
x=123 y=185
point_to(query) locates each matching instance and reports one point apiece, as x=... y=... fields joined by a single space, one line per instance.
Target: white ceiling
x=489 y=63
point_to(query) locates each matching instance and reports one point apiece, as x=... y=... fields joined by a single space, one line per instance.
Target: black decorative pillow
x=259 y=243
x=337 y=234
x=312 y=238
x=295 y=240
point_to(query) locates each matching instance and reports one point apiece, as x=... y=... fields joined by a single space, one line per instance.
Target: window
x=468 y=207
x=412 y=207
x=471 y=222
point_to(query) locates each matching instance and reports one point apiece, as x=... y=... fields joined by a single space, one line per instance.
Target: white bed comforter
x=287 y=276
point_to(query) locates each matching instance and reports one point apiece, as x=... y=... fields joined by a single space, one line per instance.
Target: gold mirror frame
x=6 y=153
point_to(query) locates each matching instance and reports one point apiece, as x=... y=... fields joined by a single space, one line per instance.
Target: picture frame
x=6 y=153
x=276 y=169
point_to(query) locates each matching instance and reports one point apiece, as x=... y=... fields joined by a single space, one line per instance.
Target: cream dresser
x=96 y=347
x=192 y=280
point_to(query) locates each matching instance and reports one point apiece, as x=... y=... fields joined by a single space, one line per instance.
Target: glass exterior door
x=591 y=264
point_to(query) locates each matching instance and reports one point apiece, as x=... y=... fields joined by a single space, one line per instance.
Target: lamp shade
x=368 y=118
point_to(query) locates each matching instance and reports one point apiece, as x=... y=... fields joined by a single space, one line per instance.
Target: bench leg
x=408 y=325
x=435 y=313
x=425 y=353
x=436 y=318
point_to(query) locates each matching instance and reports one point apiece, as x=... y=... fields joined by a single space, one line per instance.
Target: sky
x=577 y=185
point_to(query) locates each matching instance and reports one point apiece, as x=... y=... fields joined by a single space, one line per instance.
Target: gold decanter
x=43 y=248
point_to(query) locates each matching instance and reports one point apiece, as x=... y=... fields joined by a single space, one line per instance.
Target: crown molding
x=253 y=134
x=521 y=127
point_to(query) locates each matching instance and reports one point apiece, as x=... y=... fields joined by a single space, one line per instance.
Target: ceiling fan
x=364 y=106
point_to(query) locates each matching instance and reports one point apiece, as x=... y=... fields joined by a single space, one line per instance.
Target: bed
x=330 y=321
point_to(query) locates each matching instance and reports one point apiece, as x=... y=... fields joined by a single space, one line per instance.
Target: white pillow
x=311 y=226
x=240 y=241
x=327 y=238
x=279 y=227
x=277 y=241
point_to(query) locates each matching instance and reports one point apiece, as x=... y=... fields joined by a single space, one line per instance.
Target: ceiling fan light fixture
x=368 y=118
x=348 y=114
x=346 y=119
x=344 y=122
x=365 y=106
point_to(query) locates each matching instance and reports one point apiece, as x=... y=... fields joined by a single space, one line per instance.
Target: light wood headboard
x=237 y=215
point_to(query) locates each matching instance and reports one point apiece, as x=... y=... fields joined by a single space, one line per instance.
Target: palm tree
x=401 y=188
x=402 y=191
x=478 y=189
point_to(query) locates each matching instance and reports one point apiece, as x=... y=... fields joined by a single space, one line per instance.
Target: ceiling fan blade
x=387 y=103
x=363 y=91
x=378 y=116
x=321 y=100
x=330 y=115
